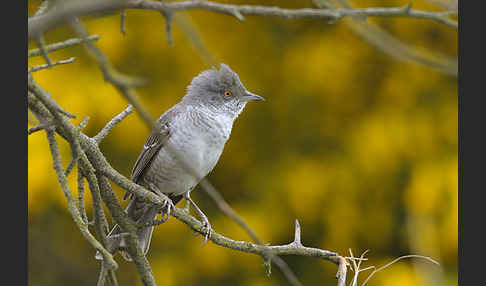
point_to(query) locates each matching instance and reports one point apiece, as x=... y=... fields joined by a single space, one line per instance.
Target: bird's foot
x=167 y=204
x=167 y=207
x=204 y=219
x=207 y=225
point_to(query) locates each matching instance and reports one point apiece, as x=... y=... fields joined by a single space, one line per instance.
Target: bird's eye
x=227 y=93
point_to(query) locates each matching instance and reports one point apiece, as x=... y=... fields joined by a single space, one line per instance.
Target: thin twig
x=39 y=127
x=62 y=45
x=122 y=21
x=111 y=124
x=45 y=66
x=396 y=260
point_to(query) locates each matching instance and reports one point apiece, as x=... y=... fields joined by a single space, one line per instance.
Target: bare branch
x=45 y=66
x=110 y=125
x=396 y=260
x=62 y=45
x=38 y=128
x=244 y=246
x=41 y=23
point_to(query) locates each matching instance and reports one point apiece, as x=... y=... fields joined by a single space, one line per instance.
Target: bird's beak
x=251 y=97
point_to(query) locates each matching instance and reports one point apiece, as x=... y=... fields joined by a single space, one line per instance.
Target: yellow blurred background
x=360 y=147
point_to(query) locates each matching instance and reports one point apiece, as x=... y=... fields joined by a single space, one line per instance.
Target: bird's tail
x=141 y=212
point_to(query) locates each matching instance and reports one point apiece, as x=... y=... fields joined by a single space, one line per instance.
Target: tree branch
x=292 y=248
x=38 y=128
x=38 y=24
x=62 y=45
x=45 y=66
x=110 y=125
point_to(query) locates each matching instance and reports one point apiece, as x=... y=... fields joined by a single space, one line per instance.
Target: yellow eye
x=227 y=93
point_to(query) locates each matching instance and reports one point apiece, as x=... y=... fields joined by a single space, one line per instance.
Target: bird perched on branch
x=183 y=147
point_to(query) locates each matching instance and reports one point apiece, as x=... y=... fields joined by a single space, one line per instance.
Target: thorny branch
x=39 y=24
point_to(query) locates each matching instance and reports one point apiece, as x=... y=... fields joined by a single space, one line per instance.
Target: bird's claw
x=168 y=205
x=207 y=225
x=166 y=201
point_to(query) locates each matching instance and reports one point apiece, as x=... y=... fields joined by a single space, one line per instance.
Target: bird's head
x=220 y=90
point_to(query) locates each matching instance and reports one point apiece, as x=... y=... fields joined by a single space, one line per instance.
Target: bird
x=183 y=147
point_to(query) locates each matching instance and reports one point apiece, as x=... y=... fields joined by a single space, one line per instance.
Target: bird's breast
x=199 y=143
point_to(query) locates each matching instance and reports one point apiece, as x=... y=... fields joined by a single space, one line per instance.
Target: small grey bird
x=184 y=146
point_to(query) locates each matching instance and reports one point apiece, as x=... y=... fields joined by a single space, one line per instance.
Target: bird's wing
x=156 y=140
